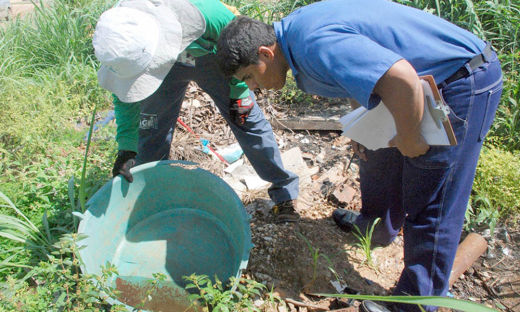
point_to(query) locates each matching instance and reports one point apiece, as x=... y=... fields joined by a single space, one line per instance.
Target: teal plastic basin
x=175 y=219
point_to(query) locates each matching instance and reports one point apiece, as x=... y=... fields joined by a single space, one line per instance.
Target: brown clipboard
x=440 y=102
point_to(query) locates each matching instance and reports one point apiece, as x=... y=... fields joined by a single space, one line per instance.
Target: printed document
x=376 y=127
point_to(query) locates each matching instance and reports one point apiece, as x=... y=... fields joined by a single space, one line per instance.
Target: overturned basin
x=174 y=219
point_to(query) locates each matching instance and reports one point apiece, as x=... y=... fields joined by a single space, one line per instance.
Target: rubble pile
x=315 y=256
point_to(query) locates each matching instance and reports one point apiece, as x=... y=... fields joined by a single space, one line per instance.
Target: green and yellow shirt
x=217 y=16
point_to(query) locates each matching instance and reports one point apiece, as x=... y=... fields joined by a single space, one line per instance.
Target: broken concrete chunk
x=239 y=187
x=342 y=195
x=293 y=161
x=254 y=182
x=234 y=165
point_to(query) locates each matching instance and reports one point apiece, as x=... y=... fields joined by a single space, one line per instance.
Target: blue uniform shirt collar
x=280 y=38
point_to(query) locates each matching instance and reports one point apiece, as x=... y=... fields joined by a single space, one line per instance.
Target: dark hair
x=239 y=41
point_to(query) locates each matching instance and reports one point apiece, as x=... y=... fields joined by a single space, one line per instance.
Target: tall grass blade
x=451 y=303
x=73 y=207
x=46 y=226
x=83 y=183
x=438 y=4
x=12 y=206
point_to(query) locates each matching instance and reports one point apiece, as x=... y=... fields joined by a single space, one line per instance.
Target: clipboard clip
x=438 y=110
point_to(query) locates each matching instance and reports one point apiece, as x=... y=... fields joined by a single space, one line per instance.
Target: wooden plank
x=306 y=123
x=316 y=117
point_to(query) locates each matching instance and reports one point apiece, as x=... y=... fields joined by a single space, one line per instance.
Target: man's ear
x=265 y=53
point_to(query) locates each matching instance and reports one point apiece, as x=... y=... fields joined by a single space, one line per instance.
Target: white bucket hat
x=138 y=42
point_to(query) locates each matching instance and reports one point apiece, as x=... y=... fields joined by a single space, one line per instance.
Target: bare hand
x=410 y=147
x=359 y=150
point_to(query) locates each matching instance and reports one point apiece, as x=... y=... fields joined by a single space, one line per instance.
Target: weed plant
x=218 y=297
x=496 y=185
x=483 y=216
x=157 y=277
x=268 y=11
x=315 y=256
x=49 y=86
x=58 y=284
x=365 y=242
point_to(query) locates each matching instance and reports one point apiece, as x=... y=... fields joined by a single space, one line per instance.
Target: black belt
x=474 y=63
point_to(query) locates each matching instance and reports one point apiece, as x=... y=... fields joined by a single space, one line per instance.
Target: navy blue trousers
x=428 y=195
x=160 y=111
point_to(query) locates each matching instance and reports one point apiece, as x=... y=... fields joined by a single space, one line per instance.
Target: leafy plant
x=157 y=277
x=57 y=284
x=330 y=266
x=274 y=301
x=365 y=241
x=486 y=217
x=223 y=298
x=496 y=185
x=48 y=81
x=22 y=231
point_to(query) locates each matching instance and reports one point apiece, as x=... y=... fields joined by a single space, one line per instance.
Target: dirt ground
x=315 y=256
x=22 y=7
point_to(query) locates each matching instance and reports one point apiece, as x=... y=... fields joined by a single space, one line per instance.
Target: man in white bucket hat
x=150 y=51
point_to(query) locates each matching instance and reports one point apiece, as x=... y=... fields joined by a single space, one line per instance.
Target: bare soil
x=314 y=256
x=22 y=7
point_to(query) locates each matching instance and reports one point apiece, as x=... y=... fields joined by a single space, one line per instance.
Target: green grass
x=365 y=242
x=49 y=89
x=496 y=186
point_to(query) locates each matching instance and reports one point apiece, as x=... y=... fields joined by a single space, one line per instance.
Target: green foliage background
x=497 y=179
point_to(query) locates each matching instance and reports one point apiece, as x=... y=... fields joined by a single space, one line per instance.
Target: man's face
x=267 y=74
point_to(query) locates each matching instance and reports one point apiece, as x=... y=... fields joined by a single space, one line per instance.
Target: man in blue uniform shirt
x=372 y=51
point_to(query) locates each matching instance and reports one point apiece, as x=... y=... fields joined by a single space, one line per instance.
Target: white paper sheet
x=376 y=127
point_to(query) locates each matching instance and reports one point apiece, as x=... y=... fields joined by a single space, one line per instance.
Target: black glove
x=124 y=162
x=240 y=109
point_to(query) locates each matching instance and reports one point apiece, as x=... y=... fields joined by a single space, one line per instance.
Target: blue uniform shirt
x=341 y=48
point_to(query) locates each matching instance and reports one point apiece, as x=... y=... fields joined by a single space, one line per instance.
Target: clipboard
x=376 y=127
x=438 y=109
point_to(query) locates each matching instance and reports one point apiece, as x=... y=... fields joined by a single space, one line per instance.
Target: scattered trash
x=338 y=286
x=503 y=235
x=255 y=182
x=491 y=253
x=202 y=140
x=100 y=124
x=320 y=159
x=234 y=165
x=231 y=153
